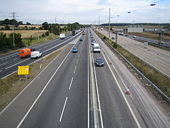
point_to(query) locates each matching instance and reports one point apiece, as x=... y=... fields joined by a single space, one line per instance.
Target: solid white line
x=63 y=109
x=133 y=115
x=117 y=73
x=88 y=91
x=42 y=91
x=98 y=98
x=71 y=83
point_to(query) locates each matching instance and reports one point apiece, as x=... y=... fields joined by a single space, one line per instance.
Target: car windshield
x=99 y=60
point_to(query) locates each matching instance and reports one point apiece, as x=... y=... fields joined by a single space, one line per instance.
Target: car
x=74 y=50
x=81 y=39
x=35 y=54
x=93 y=42
x=126 y=35
x=113 y=38
x=99 y=62
x=120 y=33
x=133 y=37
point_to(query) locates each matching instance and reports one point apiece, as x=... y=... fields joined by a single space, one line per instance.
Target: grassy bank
x=161 y=81
x=35 y=41
x=11 y=85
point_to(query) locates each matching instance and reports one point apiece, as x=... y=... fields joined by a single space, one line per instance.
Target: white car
x=96 y=47
x=36 y=54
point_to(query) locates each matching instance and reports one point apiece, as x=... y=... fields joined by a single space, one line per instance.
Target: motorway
x=156 y=57
x=10 y=62
x=73 y=93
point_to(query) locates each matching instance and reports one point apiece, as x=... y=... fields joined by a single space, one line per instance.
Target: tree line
x=7 y=42
x=59 y=28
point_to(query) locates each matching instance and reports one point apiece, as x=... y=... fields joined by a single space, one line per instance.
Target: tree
x=7 y=27
x=45 y=26
x=3 y=40
x=26 y=27
x=20 y=23
x=47 y=33
x=27 y=23
x=18 y=40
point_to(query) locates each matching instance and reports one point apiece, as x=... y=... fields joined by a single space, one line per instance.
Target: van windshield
x=97 y=47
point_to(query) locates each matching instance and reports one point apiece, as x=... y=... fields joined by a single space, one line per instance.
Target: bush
x=7 y=27
x=114 y=45
x=43 y=35
x=47 y=33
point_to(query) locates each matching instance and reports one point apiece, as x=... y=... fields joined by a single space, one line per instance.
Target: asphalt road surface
x=59 y=96
x=156 y=57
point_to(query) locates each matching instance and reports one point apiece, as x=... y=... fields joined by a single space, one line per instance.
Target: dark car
x=99 y=62
x=81 y=39
x=113 y=38
x=74 y=50
x=93 y=42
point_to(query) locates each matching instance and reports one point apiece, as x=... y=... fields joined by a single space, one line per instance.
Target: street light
x=153 y=4
x=109 y=23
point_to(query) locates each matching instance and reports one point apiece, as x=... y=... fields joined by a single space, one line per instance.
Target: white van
x=62 y=36
x=96 y=47
x=36 y=54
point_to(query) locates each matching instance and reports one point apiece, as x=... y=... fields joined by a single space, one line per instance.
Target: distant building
x=135 y=28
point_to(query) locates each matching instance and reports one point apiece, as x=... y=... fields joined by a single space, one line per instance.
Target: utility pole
x=109 y=23
x=98 y=21
x=13 y=17
x=38 y=29
x=161 y=35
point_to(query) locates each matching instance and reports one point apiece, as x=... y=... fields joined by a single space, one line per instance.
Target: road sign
x=23 y=70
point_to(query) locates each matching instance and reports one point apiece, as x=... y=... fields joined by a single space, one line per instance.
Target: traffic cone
x=127 y=92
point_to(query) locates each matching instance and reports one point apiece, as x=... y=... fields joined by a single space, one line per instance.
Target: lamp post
x=109 y=23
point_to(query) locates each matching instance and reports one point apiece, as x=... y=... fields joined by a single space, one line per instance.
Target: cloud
x=84 y=11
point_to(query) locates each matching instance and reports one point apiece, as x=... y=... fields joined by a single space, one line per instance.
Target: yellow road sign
x=23 y=70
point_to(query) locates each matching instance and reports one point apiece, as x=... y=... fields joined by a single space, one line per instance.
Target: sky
x=86 y=11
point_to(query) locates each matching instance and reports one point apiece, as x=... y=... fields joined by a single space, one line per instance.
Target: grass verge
x=160 y=80
x=36 y=41
x=11 y=86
